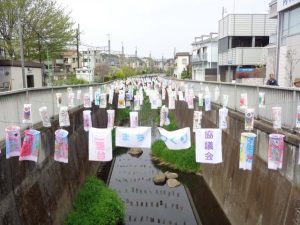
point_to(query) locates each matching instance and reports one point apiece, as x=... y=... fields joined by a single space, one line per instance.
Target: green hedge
x=95 y=204
x=122 y=115
x=182 y=160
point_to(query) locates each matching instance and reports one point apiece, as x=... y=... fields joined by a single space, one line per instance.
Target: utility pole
x=108 y=35
x=77 y=44
x=136 y=57
x=21 y=49
x=122 y=56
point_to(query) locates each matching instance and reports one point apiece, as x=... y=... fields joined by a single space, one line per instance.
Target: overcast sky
x=158 y=26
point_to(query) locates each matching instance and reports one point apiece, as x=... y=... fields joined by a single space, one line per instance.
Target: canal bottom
x=147 y=203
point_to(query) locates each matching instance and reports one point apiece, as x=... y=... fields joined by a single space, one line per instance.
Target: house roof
x=182 y=54
x=16 y=63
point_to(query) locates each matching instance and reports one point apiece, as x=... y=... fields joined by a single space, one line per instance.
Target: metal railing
x=199 y=58
x=287 y=98
x=12 y=102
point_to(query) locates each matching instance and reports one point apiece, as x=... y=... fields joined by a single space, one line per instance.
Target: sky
x=156 y=26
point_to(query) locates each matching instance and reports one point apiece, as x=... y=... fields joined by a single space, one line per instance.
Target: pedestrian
x=272 y=81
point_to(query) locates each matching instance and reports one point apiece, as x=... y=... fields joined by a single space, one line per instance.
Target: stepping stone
x=173 y=183
x=159 y=179
x=172 y=175
x=136 y=152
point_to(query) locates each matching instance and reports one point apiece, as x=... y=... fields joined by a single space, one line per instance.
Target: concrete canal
x=147 y=203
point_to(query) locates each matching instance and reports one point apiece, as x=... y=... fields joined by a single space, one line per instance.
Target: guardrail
x=287 y=98
x=12 y=102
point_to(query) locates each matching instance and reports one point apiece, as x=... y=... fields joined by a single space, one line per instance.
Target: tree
x=101 y=70
x=291 y=63
x=128 y=71
x=170 y=71
x=187 y=72
x=46 y=28
x=120 y=74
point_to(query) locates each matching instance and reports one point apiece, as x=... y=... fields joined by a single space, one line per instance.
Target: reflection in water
x=145 y=202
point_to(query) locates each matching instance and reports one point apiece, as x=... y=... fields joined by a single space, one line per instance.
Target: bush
x=96 y=204
x=172 y=126
x=72 y=80
x=107 y=78
x=182 y=160
x=123 y=115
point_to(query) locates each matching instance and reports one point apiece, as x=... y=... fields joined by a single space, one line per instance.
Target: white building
x=241 y=45
x=11 y=75
x=205 y=57
x=284 y=57
x=182 y=60
x=85 y=74
x=87 y=69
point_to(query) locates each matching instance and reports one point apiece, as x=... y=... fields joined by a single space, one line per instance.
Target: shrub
x=182 y=160
x=122 y=115
x=95 y=204
x=72 y=80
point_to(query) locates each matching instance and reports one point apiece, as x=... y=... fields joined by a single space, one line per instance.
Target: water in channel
x=145 y=202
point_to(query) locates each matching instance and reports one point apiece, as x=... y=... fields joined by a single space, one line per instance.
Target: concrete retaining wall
x=42 y=193
x=257 y=197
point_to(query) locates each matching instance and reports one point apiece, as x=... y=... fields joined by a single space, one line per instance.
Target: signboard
x=284 y=4
x=250 y=73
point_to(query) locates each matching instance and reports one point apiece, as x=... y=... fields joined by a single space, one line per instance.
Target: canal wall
x=257 y=197
x=42 y=193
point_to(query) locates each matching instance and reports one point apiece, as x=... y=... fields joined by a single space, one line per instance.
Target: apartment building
x=205 y=57
x=284 y=57
x=241 y=45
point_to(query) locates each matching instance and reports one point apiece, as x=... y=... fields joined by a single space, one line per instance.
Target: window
x=241 y=42
x=184 y=61
x=261 y=41
x=285 y=23
x=290 y=22
x=294 y=19
x=74 y=60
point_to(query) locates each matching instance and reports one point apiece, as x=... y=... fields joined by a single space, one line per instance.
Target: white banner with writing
x=139 y=137
x=208 y=145
x=176 y=140
x=100 y=144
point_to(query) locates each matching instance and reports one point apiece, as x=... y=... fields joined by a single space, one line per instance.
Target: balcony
x=273 y=9
x=197 y=59
x=243 y=56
